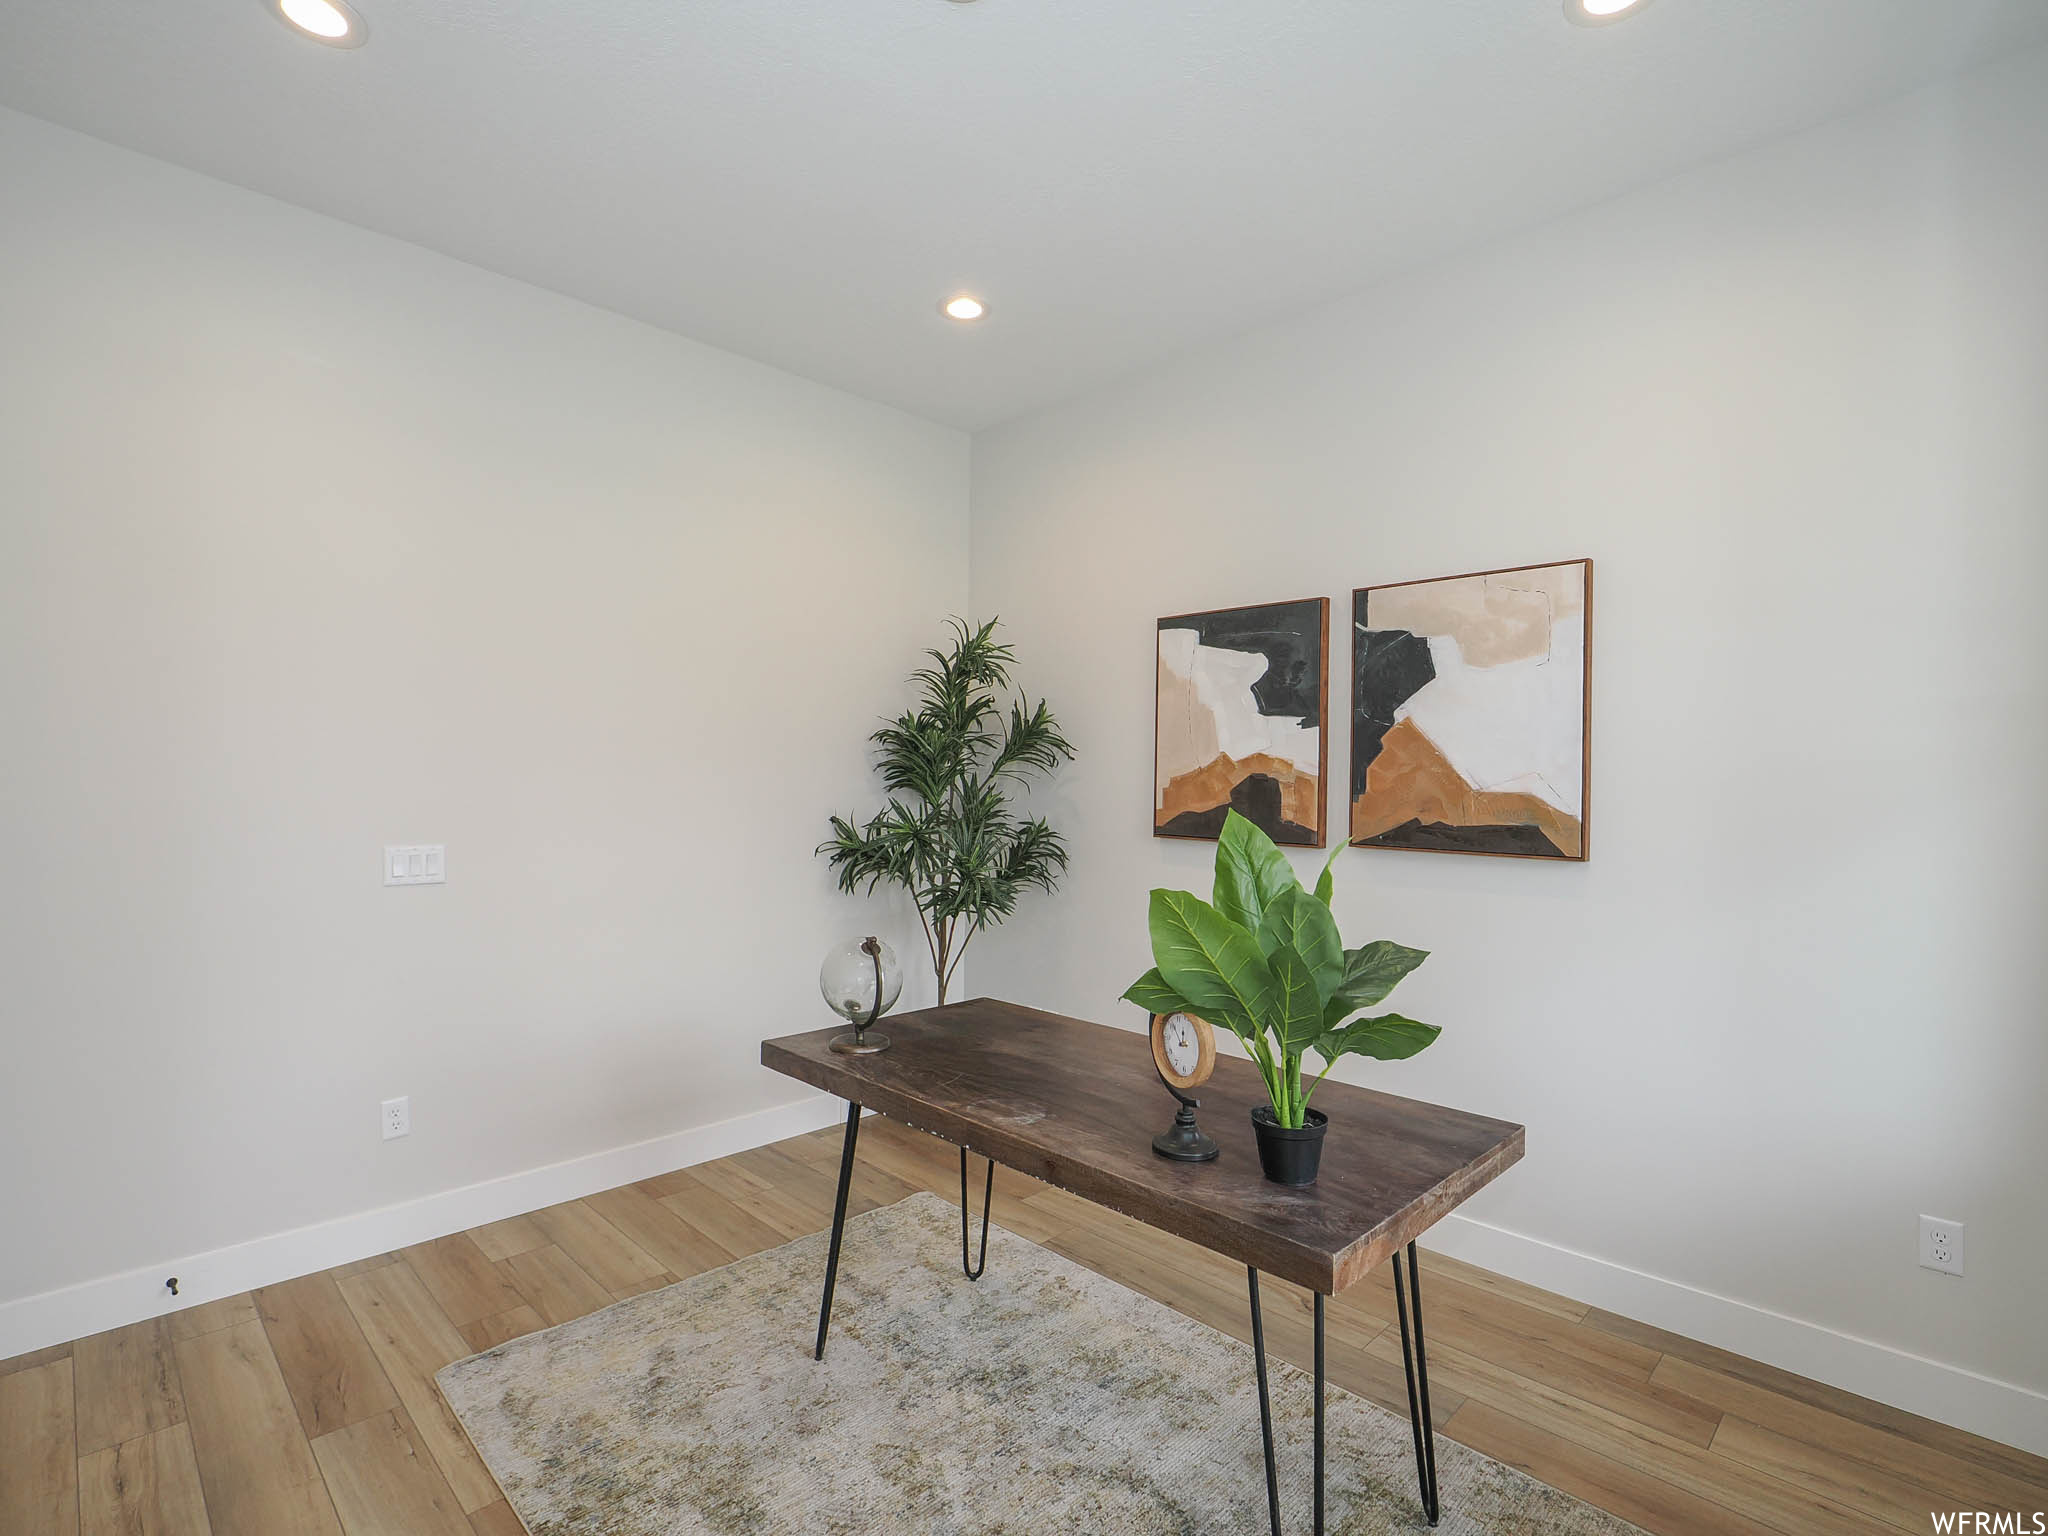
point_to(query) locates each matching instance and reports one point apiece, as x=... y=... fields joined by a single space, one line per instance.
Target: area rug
x=1043 y=1399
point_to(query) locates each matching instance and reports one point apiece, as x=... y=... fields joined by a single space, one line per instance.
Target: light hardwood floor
x=310 y=1407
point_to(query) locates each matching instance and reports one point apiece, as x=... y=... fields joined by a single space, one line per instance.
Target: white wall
x=1795 y=405
x=311 y=541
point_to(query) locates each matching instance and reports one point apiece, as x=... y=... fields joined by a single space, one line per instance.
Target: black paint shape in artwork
x=1437 y=836
x=1388 y=668
x=1288 y=635
x=1256 y=797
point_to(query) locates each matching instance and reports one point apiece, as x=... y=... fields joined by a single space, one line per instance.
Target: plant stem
x=1312 y=1087
x=946 y=980
x=1269 y=1070
x=928 y=944
x=945 y=946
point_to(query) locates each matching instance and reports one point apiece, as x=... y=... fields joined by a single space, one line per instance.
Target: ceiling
x=802 y=181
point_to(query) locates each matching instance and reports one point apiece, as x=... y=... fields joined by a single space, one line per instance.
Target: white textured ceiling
x=802 y=181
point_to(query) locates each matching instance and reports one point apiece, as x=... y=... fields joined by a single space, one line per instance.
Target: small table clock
x=1184 y=1052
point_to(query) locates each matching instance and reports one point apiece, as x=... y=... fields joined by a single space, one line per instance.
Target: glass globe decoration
x=861 y=980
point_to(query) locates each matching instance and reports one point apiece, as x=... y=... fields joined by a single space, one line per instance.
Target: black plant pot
x=1287 y=1155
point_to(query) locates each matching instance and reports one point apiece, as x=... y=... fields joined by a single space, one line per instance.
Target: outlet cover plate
x=395 y=1115
x=1941 y=1245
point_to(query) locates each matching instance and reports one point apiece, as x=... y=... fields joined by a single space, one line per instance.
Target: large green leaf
x=1326 y=882
x=1210 y=961
x=1389 y=1037
x=1297 y=1002
x=1370 y=972
x=1151 y=993
x=1251 y=872
x=1297 y=921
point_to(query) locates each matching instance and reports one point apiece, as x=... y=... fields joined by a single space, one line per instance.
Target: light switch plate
x=416 y=864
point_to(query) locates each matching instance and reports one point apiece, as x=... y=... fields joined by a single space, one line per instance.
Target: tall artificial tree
x=948 y=835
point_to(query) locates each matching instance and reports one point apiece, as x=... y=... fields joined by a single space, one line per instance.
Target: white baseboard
x=1998 y=1410
x=33 y=1322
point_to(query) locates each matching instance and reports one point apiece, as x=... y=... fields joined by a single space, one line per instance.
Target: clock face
x=1183 y=1048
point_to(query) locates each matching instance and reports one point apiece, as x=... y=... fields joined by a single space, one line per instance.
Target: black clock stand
x=1184 y=1141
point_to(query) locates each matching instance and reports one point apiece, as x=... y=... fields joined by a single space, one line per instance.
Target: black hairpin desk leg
x=838 y=1223
x=1265 y=1401
x=1320 y=1299
x=1412 y=1357
x=974 y=1272
x=1416 y=1364
x=1266 y=1408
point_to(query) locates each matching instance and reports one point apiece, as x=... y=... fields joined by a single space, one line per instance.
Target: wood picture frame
x=1227 y=731
x=1463 y=740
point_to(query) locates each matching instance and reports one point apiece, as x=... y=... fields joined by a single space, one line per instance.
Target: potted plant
x=1264 y=960
x=948 y=835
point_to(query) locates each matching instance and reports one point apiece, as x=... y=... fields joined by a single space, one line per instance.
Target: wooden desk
x=1077 y=1104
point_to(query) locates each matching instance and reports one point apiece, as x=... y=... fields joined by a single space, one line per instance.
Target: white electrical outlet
x=1941 y=1245
x=397 y=1118
x=415 y=864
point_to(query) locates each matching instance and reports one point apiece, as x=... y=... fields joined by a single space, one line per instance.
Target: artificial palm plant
x=948 y=835
x=1264 y=960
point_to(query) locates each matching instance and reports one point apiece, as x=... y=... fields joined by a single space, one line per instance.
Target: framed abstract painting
x=1471 y=712
x=1239 y=721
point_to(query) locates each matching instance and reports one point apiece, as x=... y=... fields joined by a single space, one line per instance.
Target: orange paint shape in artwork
x=1412 y=781
x=1210 y=785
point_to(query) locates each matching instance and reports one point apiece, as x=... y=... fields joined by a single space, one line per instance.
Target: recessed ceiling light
x=964 y=306
x=332 y=22
x=1598 y=13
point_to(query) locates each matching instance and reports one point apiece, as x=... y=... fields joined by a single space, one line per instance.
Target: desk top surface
x=1077 y=1104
